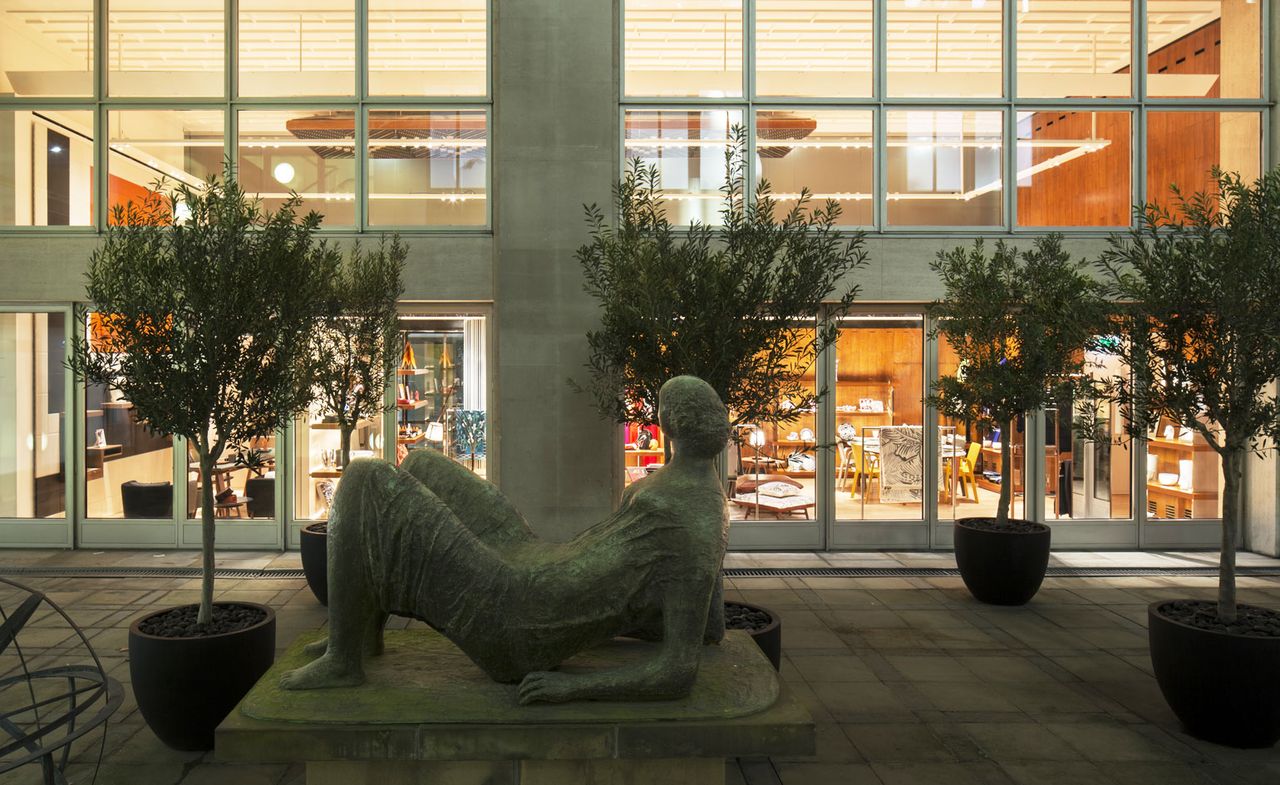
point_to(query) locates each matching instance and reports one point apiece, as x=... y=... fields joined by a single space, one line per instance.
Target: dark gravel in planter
x=1013 y=526
x=1251 y=620
x=740 y=617
x=181 y=622
x=319 y=528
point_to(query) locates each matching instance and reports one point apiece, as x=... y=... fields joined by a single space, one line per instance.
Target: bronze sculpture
x=432 y=541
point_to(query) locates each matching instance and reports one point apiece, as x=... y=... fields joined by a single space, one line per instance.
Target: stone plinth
x=428 y=715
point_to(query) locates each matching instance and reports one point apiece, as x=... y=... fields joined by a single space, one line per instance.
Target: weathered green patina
x=431 y=541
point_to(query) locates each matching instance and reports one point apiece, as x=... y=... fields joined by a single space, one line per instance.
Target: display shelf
x=411 y=405
x=333 y=426
x=326 y=473
x=412 y=371
x=1178 y=444
x=400 y=439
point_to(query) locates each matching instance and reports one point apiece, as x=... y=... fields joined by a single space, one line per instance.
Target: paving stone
x=827 y=774
x=898 y=743
x=1011 y=742
x=1109 y=742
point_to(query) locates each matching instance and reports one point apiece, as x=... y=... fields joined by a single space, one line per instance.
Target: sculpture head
x=693 y=417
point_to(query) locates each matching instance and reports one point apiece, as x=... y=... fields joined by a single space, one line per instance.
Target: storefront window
x=311 y=153
x=1182 y=148
x=879 y=402
x=427 y=47
x=945 y=48
x=46 y=48
x=243 y=480
x=317 y=460
x=688 y=147
x=1067 y=51
x=944 y=168
x=1204 y=48
x=813 y=48
x=46 y=168
x=441 y=389
x=33 y=379
x=128 y=468
x=146 y=145
x=828 y=152
x=683 y=48
x=151 y=46
x=428 y=168
x=1089 y=479
x=297 y=47
x=1073 y=168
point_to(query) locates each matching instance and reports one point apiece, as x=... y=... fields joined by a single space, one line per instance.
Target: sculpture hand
x=546 y=687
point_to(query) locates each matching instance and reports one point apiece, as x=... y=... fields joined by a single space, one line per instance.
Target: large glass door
x=35 y=431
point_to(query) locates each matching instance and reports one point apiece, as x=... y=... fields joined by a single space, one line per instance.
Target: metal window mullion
x=749 y=50
x=1009 y=149
x=879 y=120
x=231 y=84
x=101 y=148
x=361 y=115
x=932 y=434
x=75 y=499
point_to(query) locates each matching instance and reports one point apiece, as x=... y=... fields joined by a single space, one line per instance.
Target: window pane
x=683 y=47
x=46 y=168
x=312 y=153
x=1074 y=51
x=427 y=168
x=944 y=48
x=244 y=481
x=153 y=47
x=441 y=390
x=944 y=168
x=688 y=147
x=1204 y=48
x=1183 y=146
x=1089 y=480
x=813 y=48
x=427 y=47
x=46 y=47
x=830 y=153
x=880 y=418
x=128 y=467
x=318 y=461
x=180 y=146
x=33 y=469
x=291 y=47
x=1073 y=168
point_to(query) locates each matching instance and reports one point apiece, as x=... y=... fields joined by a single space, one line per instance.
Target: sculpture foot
x=328 y=671
x=316 y=648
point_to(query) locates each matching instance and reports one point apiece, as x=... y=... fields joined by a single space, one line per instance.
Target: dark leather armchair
x=147 y=499
x=262 y=496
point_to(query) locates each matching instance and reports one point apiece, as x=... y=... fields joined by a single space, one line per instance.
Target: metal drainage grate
x=942 y=572
x=147 y=572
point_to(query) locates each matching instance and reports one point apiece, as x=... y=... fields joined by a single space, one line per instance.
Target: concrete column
x=555 y=147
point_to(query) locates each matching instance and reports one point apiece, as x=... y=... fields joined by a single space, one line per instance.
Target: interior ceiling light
x=283 y=173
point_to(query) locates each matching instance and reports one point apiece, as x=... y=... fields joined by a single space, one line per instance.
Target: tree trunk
x=1233 y=481
x=207 y=536
x=345 y=431
x=1006 y=474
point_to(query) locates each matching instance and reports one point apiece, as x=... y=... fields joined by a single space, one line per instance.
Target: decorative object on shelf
x=643 y=438
x=794 y=436
x=806 y=434
x=846 y=431
x=1169 y=431
x=799 y=461
x=1185 y=434
x=1186 y=474
x=407 y=361
x=99 y=438
x=1168 y=479
x=1153 y=462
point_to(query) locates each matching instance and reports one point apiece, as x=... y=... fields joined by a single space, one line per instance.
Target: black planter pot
x=186 y=686
x=1001 y=567
x=1225 y=688
x=768 y=638
x=314 y=546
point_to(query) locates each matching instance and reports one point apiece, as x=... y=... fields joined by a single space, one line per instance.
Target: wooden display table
x=428 y=714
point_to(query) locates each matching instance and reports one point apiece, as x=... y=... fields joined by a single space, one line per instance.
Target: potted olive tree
x=716 y=302
x=1019 y=322
x=1200 y=286
x=201 y=323
x=355 y=348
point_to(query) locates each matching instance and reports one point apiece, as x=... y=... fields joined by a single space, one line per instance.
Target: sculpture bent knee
x=432 y=541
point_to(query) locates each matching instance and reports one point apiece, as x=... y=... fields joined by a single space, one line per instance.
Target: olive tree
x=1199 y=288
x=205 y=320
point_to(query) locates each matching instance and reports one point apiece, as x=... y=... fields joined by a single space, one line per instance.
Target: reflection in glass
x=441 y=389
x=818 y=48
x=147 y=145
x=688 y=147
x=1204 y=48
x=828 y=152
x=46 y=47
x=683 y=48
x=1088 y=479
x=312 y=153
x=944 y=168
x=879 y=400
x=297 y=47
x=427 y=47
x=1073 y=168
x=427 y=168
x=33 y=468
x=1183 y=146
x=944 y=48
x=48 y=180
x=1074 y=50
x=153 y=46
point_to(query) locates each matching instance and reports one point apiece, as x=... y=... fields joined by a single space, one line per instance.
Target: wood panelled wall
x=868 y=356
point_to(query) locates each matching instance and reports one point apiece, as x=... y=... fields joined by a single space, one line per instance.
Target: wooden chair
x=863 y=468
x=966 y=477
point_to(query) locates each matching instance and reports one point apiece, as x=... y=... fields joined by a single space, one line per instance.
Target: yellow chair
x=863 y=468
x=968 y=481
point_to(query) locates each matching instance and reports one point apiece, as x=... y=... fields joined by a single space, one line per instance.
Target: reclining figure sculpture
x=432 y=541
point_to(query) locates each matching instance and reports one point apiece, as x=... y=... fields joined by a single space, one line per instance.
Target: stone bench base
x=427 y=714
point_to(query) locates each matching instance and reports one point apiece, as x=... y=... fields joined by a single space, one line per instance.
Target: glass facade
x=33 y=415
x=178 y=95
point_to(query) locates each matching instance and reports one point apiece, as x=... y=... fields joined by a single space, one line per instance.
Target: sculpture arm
x=668 y=674
x=715 y=613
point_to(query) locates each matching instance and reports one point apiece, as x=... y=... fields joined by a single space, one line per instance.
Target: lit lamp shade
x=756 y=438
x=435 y=432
